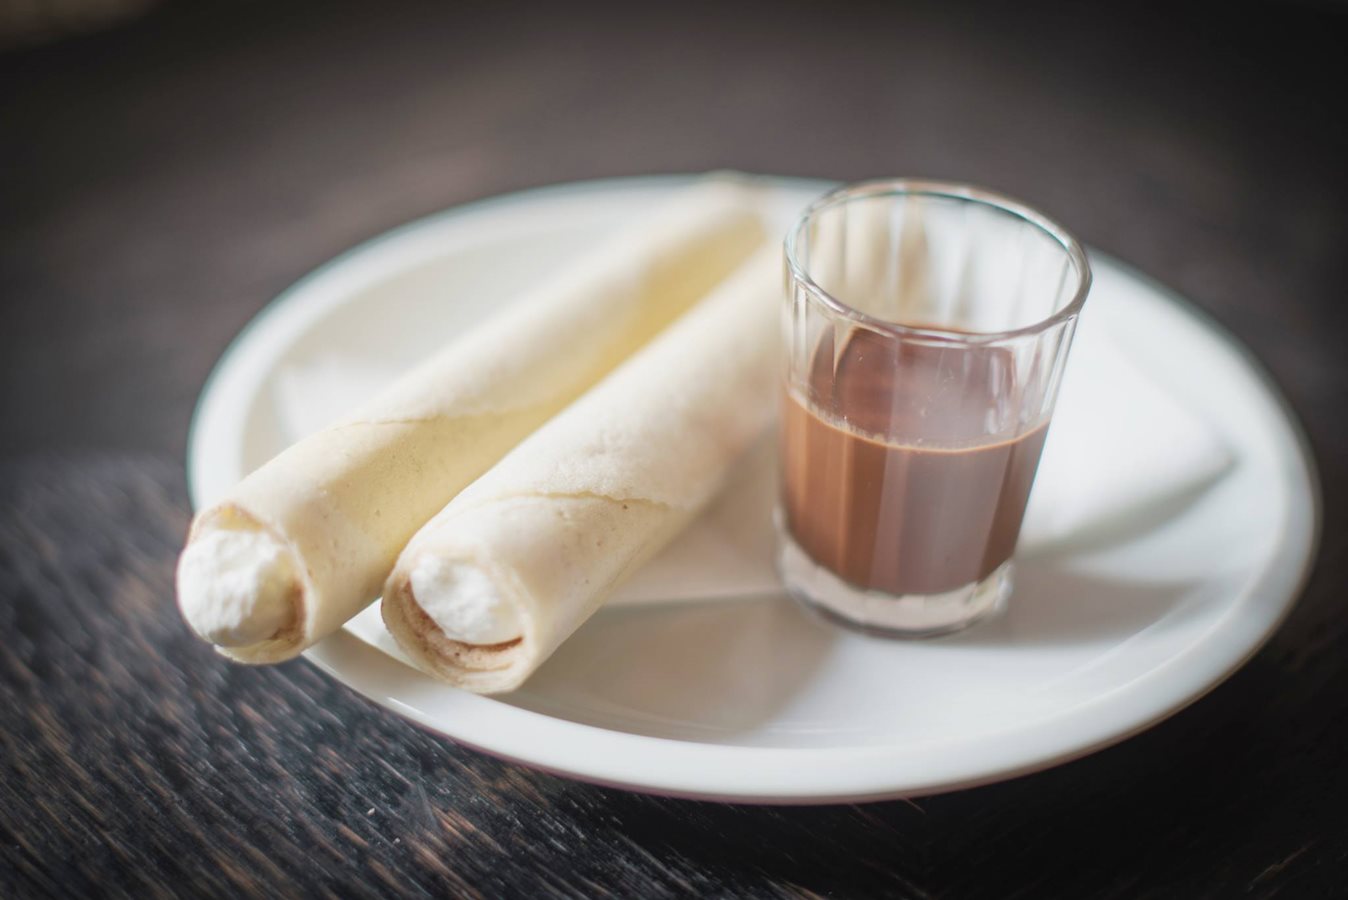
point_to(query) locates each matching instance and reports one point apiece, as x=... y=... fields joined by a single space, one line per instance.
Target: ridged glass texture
x=926 y=327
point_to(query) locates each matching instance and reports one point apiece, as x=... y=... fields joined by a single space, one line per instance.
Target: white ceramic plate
x=753 y=701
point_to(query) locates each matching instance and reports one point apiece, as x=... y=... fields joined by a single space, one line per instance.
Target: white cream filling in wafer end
x=237 y=587
x=463 y=600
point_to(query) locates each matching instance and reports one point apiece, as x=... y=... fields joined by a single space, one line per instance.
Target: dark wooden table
x=160 y=182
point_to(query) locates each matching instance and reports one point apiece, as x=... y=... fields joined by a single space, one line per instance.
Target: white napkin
x=1120 y=451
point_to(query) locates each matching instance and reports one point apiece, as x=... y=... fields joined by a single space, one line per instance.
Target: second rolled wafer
x=490 y=587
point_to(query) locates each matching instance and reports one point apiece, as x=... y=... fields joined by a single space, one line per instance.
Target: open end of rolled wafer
x=237 y=585
x=463 y=601
x=482 y=667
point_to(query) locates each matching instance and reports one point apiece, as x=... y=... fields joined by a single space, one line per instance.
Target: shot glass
x=926 y=329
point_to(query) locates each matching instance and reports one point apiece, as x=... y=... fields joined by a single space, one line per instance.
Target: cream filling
x=464 y=601
x=236 y=587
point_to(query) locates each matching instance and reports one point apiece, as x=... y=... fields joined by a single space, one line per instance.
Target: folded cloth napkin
x=1120 y=452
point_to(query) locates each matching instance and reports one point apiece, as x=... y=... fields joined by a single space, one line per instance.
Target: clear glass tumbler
x=927 y=326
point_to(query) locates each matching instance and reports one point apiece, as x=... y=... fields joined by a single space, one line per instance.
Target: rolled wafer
x=490 y=587
x=305 y=542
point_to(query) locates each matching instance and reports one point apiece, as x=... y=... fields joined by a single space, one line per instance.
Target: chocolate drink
x=934 y=506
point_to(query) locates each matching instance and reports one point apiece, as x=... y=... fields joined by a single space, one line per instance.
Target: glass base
x=889 y=615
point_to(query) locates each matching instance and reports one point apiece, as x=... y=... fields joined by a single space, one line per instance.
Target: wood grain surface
x=160 y=182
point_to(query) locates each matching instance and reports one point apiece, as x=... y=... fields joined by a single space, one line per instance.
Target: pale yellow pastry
x=305 y=542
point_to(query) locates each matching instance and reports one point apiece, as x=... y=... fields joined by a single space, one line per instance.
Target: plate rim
x=231 y=386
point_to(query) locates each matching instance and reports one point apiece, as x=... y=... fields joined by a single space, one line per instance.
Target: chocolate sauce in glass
x=936 y=503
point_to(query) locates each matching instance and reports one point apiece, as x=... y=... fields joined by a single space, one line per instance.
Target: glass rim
x=953 y=191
